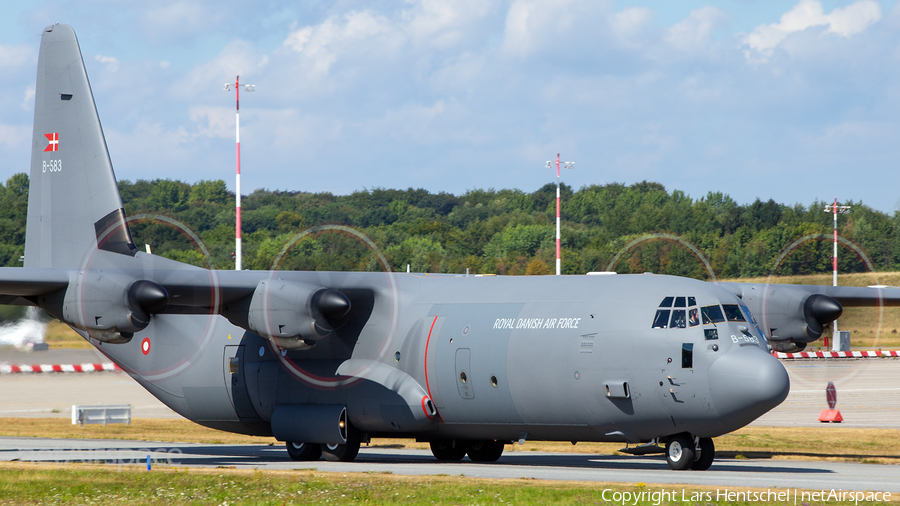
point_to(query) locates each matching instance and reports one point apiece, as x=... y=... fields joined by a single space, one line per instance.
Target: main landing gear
x=346 y=452
x=478 y=451
x=684 y=451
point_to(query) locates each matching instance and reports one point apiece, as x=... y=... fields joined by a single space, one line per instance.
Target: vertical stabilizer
x=74 y=205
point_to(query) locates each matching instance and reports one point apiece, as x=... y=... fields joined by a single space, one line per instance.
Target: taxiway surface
x=731 y=474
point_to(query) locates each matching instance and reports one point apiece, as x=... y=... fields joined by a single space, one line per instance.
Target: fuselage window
x=662 y=319
x=667 y=302
x=733 y=313
x=692 y=301
x=712 y=314
x=710 y=334
x=693 y=317
x=679 y=302
x=687 y=355
x=678 y=318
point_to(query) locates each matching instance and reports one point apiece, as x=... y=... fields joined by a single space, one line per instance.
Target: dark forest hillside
x=643 y=227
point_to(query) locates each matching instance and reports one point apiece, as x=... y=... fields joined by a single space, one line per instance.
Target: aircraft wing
x=792 y=316
x=847 y=296
x=126 y=299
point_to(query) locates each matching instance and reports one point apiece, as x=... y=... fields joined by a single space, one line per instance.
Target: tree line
x=626 y=228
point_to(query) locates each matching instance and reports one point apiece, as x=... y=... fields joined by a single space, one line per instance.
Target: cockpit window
x=752 y=320
x=678 y=318
x=733 y=313
x=749 y=315
x=712 y=314
x=661 y=320
x=693 y=317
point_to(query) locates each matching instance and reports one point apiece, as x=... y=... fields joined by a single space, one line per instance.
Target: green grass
x=26 y=483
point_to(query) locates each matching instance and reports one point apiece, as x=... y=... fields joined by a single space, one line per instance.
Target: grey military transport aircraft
x=326 y=360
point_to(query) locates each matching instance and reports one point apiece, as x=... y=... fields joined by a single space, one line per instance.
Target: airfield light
x=237 y=186
x=835 y=209
x=568 y=165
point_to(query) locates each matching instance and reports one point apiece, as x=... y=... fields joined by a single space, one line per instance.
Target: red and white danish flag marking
x=53 y=142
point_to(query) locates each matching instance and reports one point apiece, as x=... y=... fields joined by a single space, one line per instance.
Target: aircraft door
x=469 y=346
x=463 y=372
x=678 y=386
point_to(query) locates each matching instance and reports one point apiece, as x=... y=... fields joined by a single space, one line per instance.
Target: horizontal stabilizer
x=26 y=282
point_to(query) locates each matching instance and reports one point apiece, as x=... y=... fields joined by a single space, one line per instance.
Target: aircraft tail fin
x=74 y=205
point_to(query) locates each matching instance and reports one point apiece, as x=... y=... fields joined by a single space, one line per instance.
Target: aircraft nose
x=745 y=383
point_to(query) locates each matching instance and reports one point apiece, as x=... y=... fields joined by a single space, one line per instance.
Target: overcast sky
x=791 y=101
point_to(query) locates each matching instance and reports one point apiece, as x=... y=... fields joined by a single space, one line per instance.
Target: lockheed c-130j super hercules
x=325 y=360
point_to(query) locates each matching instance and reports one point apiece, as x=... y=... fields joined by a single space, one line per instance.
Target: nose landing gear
x=684 y=451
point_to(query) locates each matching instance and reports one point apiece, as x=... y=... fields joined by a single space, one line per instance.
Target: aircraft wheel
x=303 y=451
x=485 y=451
x=680 y=452
x=343 y=452
x=444 y=450
x=707 y=455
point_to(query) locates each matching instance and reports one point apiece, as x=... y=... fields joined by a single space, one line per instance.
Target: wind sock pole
x=237 y=182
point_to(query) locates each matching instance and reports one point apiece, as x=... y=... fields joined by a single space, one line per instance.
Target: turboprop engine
x=791 y=317
x=294 y=314
x=112 y=307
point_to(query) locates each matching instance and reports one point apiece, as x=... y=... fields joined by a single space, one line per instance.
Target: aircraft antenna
x=568 y=165
x=237 y=181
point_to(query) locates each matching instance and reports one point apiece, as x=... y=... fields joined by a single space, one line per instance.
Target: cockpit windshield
x=733 y=313
x=749 y=315
x=712 y=314
x=683 y=313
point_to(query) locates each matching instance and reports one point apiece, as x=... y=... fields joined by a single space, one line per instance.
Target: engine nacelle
x=112 y=307
x=295 y=314
x=791 y=317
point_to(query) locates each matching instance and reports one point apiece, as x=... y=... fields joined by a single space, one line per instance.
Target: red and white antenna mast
x=237 y=183
x=835 y=209
x=569 y=165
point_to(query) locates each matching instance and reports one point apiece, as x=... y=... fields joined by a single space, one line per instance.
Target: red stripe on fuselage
x=427 y=341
